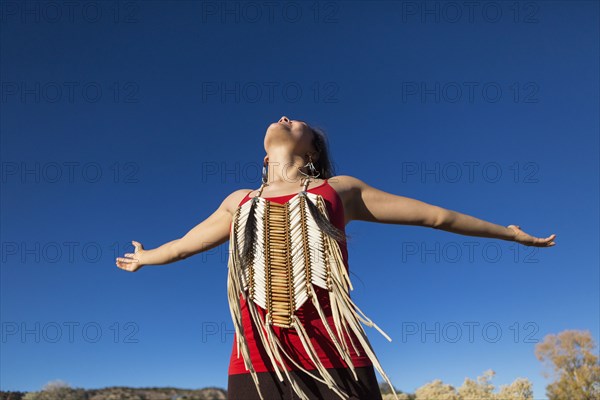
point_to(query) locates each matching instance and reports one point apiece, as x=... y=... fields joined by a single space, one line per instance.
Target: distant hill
x=119 y=393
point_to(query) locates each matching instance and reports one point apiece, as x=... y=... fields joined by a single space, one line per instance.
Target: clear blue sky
x=134 y=121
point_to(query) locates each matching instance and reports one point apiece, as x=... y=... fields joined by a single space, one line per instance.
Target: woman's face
x=294 y=134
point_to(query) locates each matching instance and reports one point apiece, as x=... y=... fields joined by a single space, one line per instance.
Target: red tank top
x=307 y=314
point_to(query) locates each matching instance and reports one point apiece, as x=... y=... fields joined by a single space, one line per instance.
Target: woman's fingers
x=550 y=240
x=547 y=242
x=127 y=260
x=127 y=264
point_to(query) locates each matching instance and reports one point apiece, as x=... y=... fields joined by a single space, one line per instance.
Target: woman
x=297 y=331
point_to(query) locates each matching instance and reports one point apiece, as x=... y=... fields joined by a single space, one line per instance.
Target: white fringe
x=346 y=315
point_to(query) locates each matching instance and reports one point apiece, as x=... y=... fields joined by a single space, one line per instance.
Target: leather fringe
x=346 y=315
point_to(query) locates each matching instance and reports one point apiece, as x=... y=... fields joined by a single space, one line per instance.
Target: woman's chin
x=278 y=131
x=276 y=126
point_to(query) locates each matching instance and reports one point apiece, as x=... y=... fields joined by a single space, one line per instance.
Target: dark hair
x=321 y=145
x=324 y=167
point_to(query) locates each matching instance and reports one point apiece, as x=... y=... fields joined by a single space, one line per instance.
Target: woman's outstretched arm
x=210 y=233
x=367 y=203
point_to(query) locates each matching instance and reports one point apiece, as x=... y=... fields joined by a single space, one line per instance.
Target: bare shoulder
x=232 y=201
x=348 y=188
x=345 y=183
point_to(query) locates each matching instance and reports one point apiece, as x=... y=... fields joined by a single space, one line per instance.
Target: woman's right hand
x=131 y=261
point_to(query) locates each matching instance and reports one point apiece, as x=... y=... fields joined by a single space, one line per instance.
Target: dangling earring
x=314 y=174
x=265 y=175
x=264 y=180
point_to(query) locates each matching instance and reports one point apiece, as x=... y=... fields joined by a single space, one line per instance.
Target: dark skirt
x=242 y=387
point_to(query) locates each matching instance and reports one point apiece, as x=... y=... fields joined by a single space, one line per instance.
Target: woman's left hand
x=528 y=240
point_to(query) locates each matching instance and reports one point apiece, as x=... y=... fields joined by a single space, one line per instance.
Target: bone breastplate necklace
x=290 y=254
